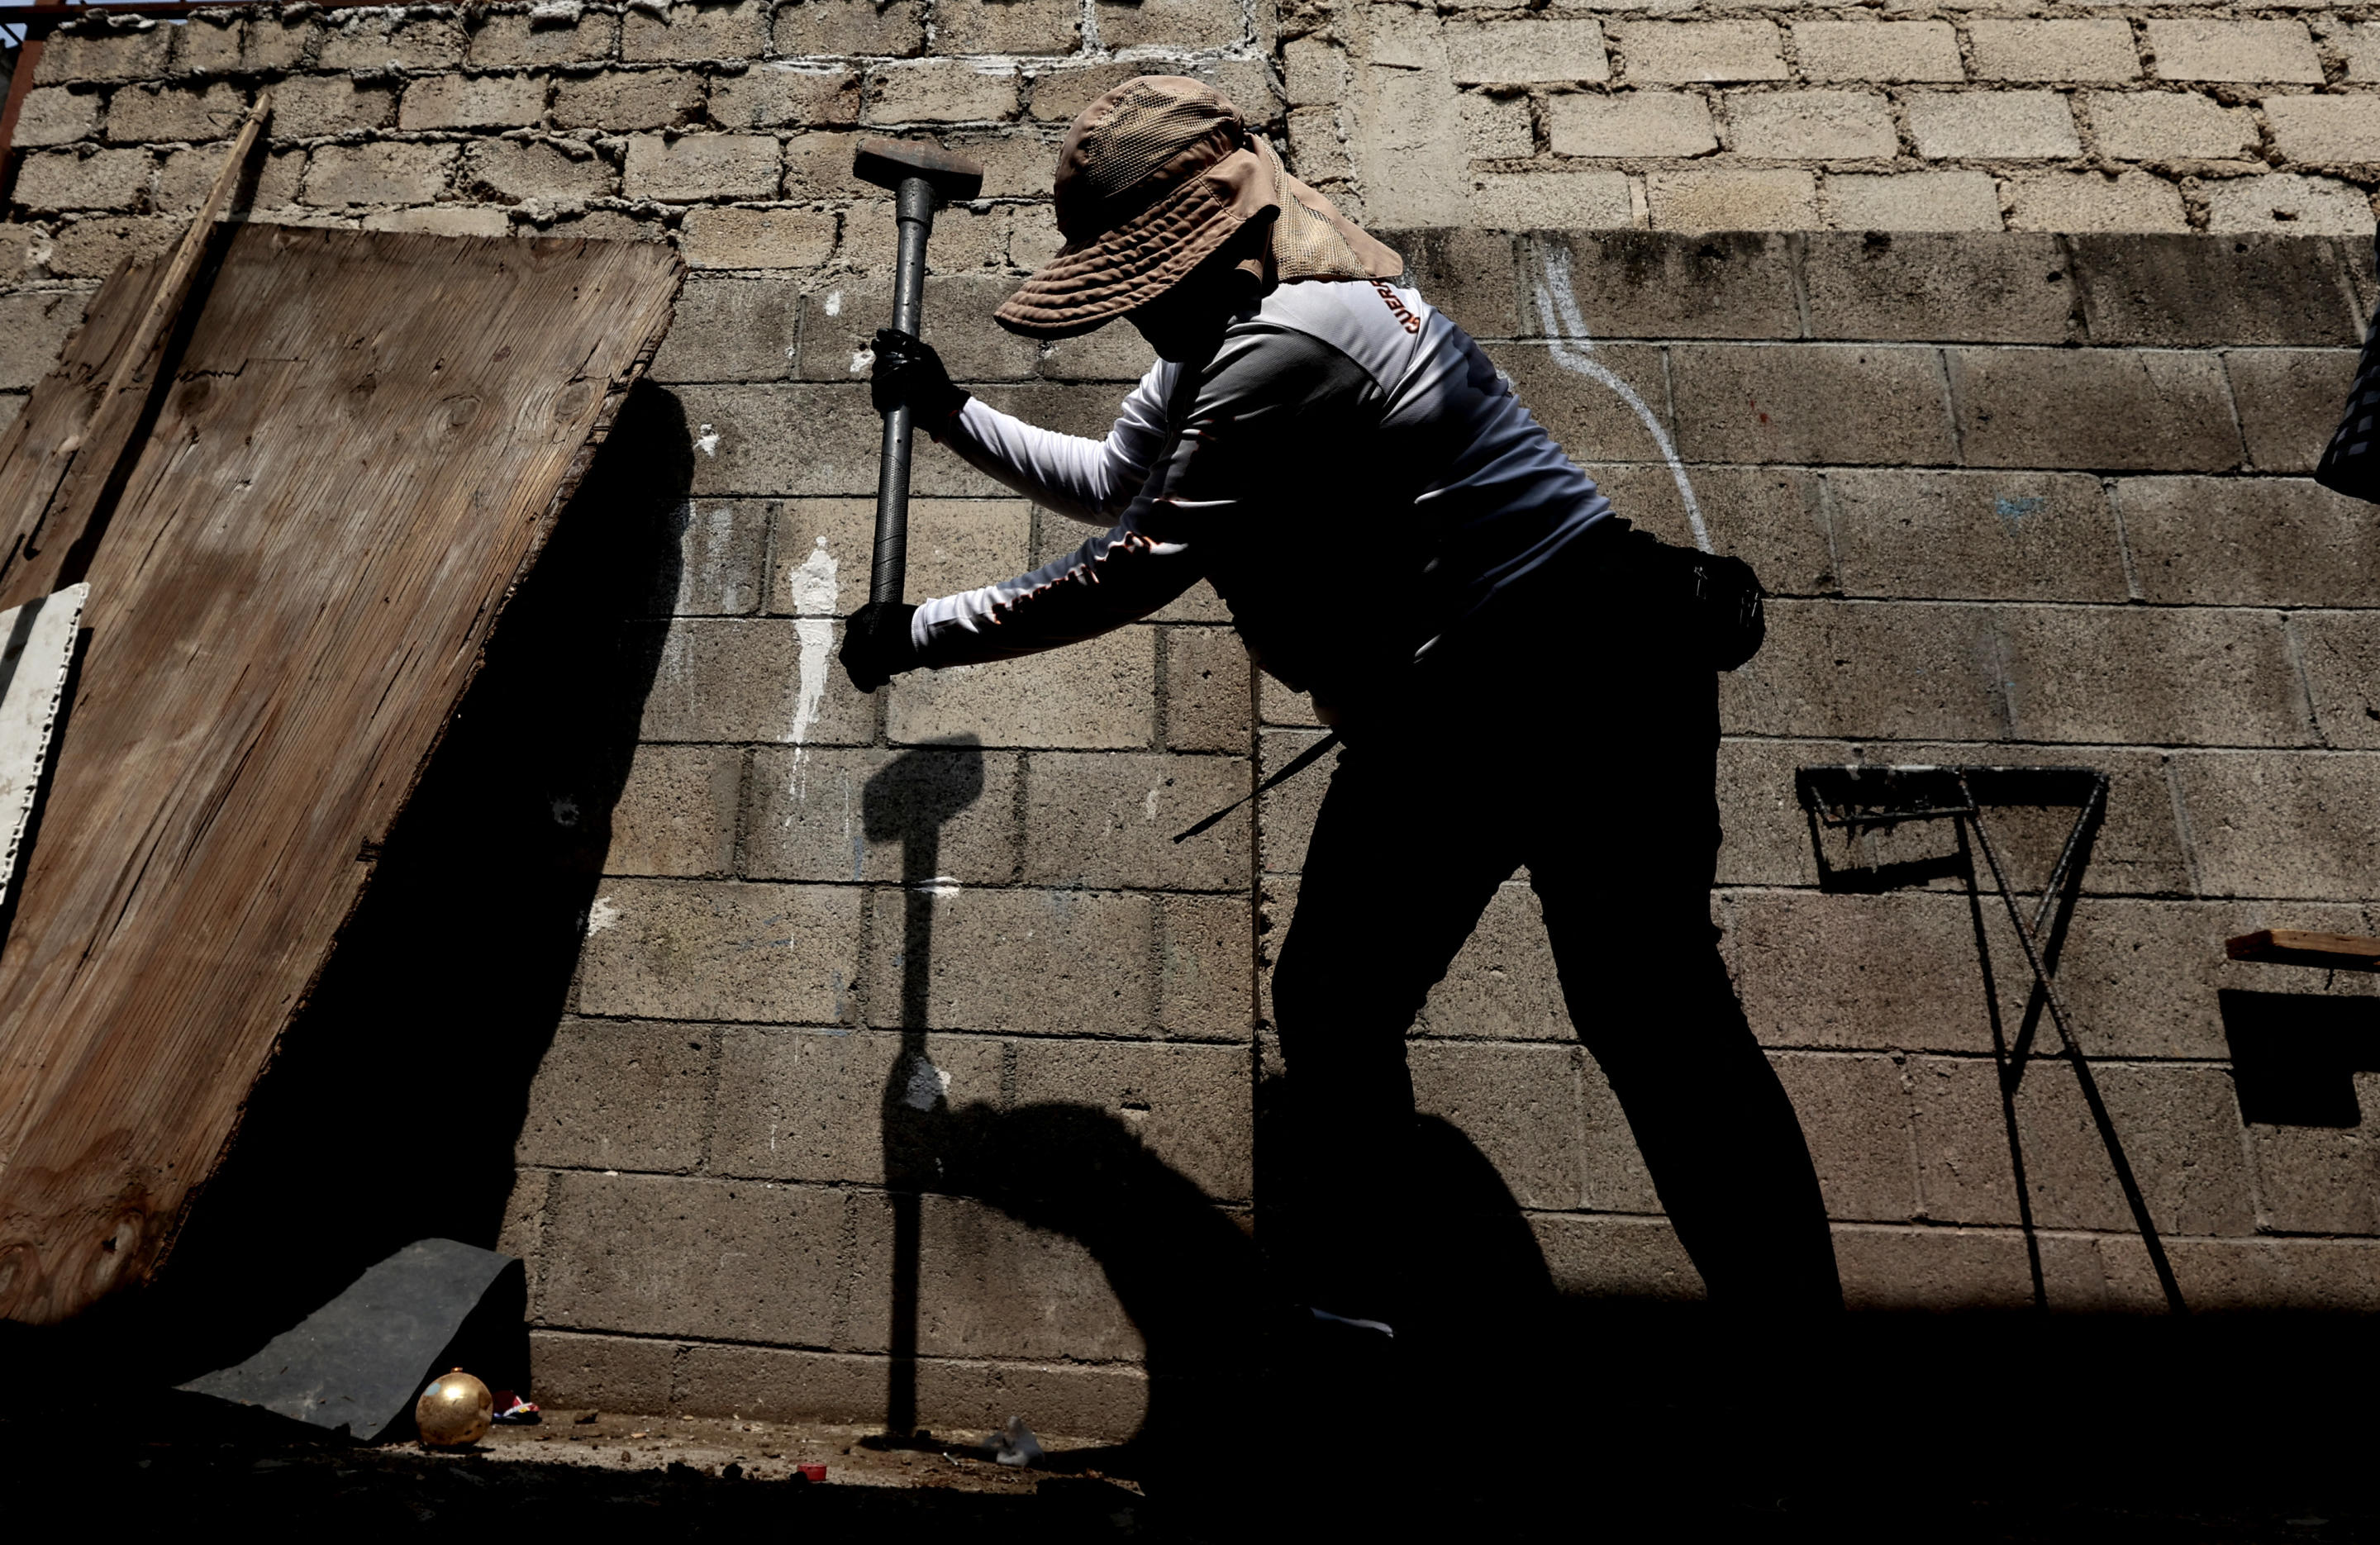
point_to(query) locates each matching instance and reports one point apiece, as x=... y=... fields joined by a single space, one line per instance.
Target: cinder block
x=524 y=1221
x=2169 y=125
x=375 y=174
x=756 y=238
x=1494 y=128
x=691 y=168
x=942 y=91
x=1913 y=202
x=1684 y=51
x=1895 y=670
x=277 y=43
x=663 y=1255
x=2178 y=1128
x=826 y=812
x=1007 y=26
x=1207 y=672
x=1518 y=1103
x=2325 y=1275
x=627 y=98
x=2196 y=48
x=1551 y=200
x=2283 y=824
x=1167 y=24
x=2231 y=294
x=839 y=326
x=1100 y=1402
x=1042 y=963
x=1855 y=1118
x=687 y=32
x=768 y=954
x=2012 y=289
x=33 y=329
x=54 y=116
x=166 y=111
x=325 y=104
x=1094 y=696
x=677 y=813
x=2094 y=202
x=797 y=1104
x=11 y=404
x=91 y=248
x=2326 y=128
x=1767 y=834
x=2339 y=652
x=2099 y=49
x=1314 y=69
x=387 y=40
x=1958 y=126
x=955 y=545
x=732 y=330
x=1811 y=125
x=786 y=95
x=2124 y=675
x=2266 y=542
x=1109 y=819
x=513 y=39
x=1630 y=124
x=1535 y=52
x=1931 y=1269
x=1285 y=814
x=798 y=441
x=1976 y=535
x=722 y=549
x=1649 y=284
x=1585 y=416
x=571 y=1371
x=2155 y=408
x=1893 y=973
x=186 y=175
x=1206 y=967
x=2319 y=1180
x=1733 y=198
x=104 y=55
x=1060 y=94
x=1856 y=403
x=752 y=679
x=1502 y=985
x=2284 y=201
x=66 y=180
x=208 y=45
x=1316 y=151
x=1877 y=51
x=472 y=102
x=1190 y=1107
x=990 y=1286
x=964 y=239
x=514 y=171
x=1636 y=1259
x=776 y=1384
x=609 y=1095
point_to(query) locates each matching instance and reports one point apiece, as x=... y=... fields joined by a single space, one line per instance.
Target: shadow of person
x=392 y=1108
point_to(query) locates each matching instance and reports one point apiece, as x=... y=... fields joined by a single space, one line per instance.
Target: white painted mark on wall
x=814 y=592
x=1573 y=350
x=601 y=915
x=863 y=361
x=707 y=442
x=1148 y=804
x=833 y=303
x=928 y=1086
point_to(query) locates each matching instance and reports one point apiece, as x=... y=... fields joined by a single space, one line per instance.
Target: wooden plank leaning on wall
x=365 y=442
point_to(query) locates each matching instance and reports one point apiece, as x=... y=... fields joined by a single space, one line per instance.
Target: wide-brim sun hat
x=1153 y=178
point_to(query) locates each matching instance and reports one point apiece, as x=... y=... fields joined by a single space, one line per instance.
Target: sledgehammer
x=921 y=177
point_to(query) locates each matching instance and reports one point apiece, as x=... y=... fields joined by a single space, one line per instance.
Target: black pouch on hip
x=2350 y=463
x=1719 y=600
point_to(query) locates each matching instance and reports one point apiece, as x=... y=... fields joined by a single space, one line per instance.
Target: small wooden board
x=2296 y=947
x=365 y=442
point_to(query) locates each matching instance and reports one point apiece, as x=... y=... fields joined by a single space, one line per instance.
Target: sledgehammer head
x=890 y=162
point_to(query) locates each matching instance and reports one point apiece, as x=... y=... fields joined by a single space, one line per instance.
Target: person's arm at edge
x=1089 y=480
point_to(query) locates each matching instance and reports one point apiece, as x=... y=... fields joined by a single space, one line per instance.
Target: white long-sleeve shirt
x=1348 y=469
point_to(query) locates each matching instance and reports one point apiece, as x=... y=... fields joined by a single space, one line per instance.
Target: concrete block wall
x=2025 y=495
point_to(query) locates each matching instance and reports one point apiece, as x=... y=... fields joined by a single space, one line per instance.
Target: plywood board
x=366 y=441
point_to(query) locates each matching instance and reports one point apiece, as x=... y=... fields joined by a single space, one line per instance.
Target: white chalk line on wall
x=1573 y=350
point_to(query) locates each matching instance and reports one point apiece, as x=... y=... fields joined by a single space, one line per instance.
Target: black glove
x=908 y=370
x=876 y=644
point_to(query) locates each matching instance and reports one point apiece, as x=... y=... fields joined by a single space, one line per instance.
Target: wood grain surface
x=363 y=446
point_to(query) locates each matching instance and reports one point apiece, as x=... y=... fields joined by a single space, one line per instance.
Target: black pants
x=1591 y=760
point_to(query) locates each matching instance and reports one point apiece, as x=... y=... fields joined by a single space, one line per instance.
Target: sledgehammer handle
x=914 y=212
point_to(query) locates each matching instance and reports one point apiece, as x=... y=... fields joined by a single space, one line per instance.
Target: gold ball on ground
x=454 y=1409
